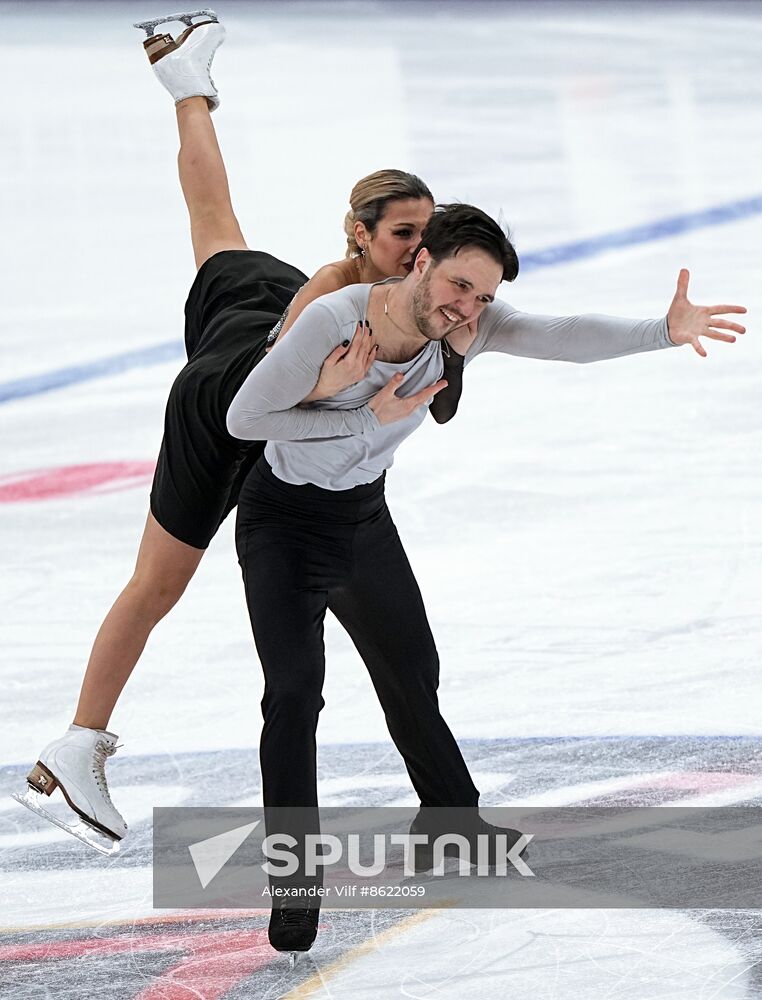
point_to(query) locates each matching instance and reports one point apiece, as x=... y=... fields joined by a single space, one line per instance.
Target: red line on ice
x=69 y=480
x=216 y=963
x=210 y=964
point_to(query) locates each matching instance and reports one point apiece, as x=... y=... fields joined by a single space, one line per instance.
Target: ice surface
x=587 y=539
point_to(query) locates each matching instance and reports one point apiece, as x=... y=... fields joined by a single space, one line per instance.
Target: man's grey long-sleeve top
x=338 y=443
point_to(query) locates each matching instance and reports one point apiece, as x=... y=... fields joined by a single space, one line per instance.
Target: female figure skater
x=232 y=310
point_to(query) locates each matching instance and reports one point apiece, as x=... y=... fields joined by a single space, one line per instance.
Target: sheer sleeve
x=444 y=405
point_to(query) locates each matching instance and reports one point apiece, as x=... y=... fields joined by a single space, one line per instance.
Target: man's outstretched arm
x=595 y=337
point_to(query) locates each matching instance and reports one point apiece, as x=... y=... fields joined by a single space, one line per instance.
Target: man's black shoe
x=292 y=928
x=468 y=826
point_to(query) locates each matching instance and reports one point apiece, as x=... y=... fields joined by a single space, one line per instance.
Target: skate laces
x=290 y=915
x=101 y=752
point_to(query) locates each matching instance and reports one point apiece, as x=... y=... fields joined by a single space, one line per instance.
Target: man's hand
x=346 y=365
x=389 y=407
x=686 y=322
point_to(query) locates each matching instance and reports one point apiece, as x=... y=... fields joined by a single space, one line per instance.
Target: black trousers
x=303 y=549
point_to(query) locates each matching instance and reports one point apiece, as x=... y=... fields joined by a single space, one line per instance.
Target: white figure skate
x=183 y=65
x=75 y=764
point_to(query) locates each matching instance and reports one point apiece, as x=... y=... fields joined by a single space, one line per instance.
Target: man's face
x=453 y=292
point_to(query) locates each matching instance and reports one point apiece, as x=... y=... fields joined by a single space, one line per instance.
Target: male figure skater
x=313 y=529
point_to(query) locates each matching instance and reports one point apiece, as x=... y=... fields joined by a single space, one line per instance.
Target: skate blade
x=185 y=16
x=81 y=830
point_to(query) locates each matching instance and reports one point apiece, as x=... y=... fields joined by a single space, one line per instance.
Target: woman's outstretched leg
x=163 y=570
x=75 y=762
x=165 y=565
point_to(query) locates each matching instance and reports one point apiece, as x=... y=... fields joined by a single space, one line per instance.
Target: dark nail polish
x=345 y=343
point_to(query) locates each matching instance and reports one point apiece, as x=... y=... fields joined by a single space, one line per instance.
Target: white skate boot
x=183 y=65
x=75 y=764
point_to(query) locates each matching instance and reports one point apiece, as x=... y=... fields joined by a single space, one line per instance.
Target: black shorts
x=236 y=299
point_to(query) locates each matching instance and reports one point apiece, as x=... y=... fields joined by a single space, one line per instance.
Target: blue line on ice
x=674 y=225
x=33 y=385
x=564 y=253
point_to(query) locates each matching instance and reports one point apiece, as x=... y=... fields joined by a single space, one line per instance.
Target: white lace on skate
x=101 y=752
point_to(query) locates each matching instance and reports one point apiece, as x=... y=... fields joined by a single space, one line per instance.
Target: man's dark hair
x=456 y=227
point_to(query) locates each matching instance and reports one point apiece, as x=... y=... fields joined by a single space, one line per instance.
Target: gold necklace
x=443 y=342
x=389 y=317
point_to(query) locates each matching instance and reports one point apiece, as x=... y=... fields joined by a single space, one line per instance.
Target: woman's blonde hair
x=372 y=194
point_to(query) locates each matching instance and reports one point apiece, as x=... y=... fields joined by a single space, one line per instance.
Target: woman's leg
x=163 y=570
x=204 y=183
x=164 y=565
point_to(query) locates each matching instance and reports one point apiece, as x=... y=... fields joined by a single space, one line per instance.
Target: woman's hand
x=349 y=363
x=389 y=407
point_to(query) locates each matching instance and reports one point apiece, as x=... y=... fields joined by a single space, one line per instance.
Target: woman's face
x=390 y=249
